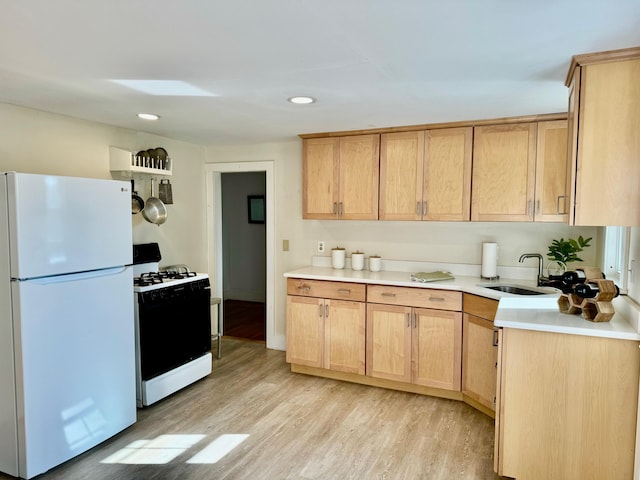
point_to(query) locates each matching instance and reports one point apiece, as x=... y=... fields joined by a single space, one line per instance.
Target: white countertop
x=529 y=312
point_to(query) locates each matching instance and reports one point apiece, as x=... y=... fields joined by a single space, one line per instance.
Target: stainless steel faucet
x=524 y=256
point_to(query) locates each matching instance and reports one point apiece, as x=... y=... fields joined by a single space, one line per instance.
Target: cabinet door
x=567 y=406
x=572 y=147
x=305 y=330
x=359 y=176
x=551 y=172
x=344 y=336
x=389 y=342
x=479 y=360
x=320 y=178
x=401 y=167
x=503 y=172
x=436 y=348
x=447 y=174
x=608 y=169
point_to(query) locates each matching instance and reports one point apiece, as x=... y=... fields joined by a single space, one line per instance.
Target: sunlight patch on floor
x=165 y=448
x=159 y=451
x=218 y=448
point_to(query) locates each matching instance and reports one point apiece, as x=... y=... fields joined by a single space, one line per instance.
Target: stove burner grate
x=154 y=278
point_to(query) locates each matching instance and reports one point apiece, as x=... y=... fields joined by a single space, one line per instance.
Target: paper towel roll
x=489 y=260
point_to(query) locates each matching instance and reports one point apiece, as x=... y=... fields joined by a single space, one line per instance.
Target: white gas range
x=173 y=326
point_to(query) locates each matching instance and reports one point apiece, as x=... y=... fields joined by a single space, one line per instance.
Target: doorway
x=213 y=178
x=244 y=255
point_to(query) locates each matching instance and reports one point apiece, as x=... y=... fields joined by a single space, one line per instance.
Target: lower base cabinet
x=414 y=345
x=326 y=333
x=324 y=330
x=479 y=352
x=567 y=406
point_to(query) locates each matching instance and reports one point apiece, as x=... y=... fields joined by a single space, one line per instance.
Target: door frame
x=213 y=178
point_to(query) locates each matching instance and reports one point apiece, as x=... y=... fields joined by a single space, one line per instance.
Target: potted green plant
x=564 y=251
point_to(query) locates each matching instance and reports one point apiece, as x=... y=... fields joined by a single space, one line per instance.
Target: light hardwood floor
x=298 y=427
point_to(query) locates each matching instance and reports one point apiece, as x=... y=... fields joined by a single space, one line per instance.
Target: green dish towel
x=431 y=276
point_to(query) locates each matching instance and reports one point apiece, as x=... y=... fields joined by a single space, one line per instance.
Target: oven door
x=174 y=327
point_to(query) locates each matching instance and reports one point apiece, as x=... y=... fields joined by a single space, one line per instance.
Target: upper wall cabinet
x=340 y=177
x=426 y=175
x=551 y=192
x=604 y=149
x=519 y=172
x=504 y=159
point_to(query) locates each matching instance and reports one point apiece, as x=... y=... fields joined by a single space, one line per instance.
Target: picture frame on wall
x=255 y=205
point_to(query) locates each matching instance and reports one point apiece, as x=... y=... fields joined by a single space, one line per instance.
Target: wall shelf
x=125 y=162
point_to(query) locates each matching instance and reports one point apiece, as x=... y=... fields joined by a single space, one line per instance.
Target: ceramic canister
x=375 y=263
x=357 y=261
x=338 y=257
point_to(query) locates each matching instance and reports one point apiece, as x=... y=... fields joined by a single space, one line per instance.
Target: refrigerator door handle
x=72 y=277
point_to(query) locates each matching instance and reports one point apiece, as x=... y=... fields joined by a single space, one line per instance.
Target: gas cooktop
x=155 y=280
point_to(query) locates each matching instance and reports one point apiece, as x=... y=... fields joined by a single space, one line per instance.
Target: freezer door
x=75 y=364
x=66 y=224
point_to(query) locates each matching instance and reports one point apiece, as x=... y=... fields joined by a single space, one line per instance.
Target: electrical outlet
x=321 y=247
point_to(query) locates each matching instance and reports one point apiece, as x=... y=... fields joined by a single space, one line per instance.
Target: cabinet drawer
x=326 y=289
x=415 y=297
x=480 y=306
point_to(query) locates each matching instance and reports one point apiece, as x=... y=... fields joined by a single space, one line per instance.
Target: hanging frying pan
x=154 y=210
x=137 y=203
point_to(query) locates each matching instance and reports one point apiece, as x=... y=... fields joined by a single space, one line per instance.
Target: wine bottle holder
x=598 y=309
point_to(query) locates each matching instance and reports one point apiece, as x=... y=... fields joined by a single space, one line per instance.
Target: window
x=616 y=255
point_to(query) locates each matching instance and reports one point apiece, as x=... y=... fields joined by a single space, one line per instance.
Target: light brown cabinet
x=426 y=175
x=340 y=177
x=519 y=172
x=604 y=116
x=567 y=406
x=326 y=325
x=479 y=352
x=409 y=343
x=551 y=192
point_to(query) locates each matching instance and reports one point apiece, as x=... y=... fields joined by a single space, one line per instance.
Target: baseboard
x=377 y=382
x=277 y=342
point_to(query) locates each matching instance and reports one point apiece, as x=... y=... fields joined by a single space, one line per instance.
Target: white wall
x=38 y=142
x=456 y=242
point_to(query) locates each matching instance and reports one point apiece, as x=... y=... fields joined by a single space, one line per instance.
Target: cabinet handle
x=495 y=338
x=408 y=320
x=304 y=288
x=494 y=403
x=529 y=207
x=436 y=299
x=335 y=208
x=537 y=207
x=558 y=205
x=326 y=311
x=415 y=320
x=320 y=311
x=344 y=291
x=418 y=208
x=388 y=294
x=340 y=209
x=424 y=208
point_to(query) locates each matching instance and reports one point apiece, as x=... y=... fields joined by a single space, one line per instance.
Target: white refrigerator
x=67 y=361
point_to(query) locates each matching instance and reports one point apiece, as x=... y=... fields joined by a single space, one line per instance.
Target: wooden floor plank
x=300 y=427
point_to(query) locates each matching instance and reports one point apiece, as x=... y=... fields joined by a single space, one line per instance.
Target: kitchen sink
x=514 y=289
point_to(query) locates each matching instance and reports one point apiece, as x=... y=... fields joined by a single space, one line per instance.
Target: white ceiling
x=370 y=63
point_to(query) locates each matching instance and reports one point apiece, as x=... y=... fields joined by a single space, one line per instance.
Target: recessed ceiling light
x=148 y=116
x=302 y=100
